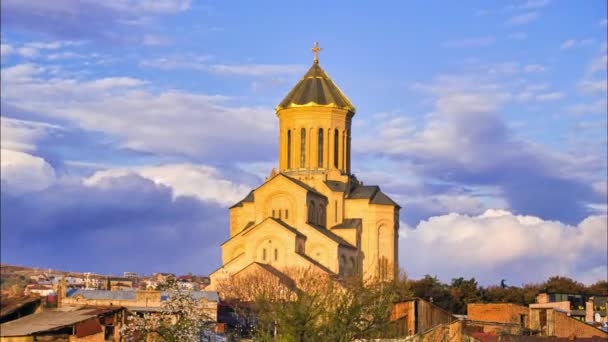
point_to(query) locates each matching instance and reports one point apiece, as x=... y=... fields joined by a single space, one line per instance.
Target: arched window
x=286 y=214
x=276 y=254
x=280 y=214
x=273 y=213
x=264 y=254
x=289 y=149
x=320 y=147
x=336 y=147
x=303 y=147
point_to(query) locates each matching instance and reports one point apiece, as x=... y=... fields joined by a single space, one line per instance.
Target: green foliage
x=559 y=284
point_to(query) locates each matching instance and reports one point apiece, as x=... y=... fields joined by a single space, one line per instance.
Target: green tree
x=463 y=292
x=431 y=289
x=557 y=284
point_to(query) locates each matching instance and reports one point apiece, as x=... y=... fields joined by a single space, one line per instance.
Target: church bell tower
x=315 y=125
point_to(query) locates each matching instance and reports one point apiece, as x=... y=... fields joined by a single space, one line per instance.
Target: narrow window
x=286 y=214
x=343 y=166
x=273 y=213
x=289 y=149
x=348 y=150
x=264 y=254
x=276 y=254
x=320 y=148
x=280 y=216
x=302 y=147
x=336 y=211
x=336 y=147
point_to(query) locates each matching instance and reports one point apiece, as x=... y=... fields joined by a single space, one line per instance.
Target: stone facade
x=313 y=212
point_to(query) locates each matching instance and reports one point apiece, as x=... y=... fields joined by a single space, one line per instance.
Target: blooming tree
x=181 y=318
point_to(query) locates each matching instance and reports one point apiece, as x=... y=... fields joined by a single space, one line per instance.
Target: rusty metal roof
x=51 y=320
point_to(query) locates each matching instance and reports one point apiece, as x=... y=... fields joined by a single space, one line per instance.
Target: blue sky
x=129 y=127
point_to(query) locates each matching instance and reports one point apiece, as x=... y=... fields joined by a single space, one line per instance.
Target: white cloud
x=571 y=43
x=167 y=122
x=598 y=64
x=256 y=69
x=599 y=106
x=603 y=22
x=499 y=244
x=549 y=96
x=470 y=42
x=155 y=40
x=534 y=4
x=518 y=36
x=206 y=183
x=593 y=86
x=177 y=63
x=27 y=52
x=6 y=49
x=22 y=135
x=522 y=19
x=22 y=172
x=568 y=44
x=531 y=68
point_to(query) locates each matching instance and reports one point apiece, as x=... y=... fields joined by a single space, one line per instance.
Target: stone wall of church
x=302 y=153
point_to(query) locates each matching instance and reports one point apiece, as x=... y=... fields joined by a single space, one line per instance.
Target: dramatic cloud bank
x=497 y=244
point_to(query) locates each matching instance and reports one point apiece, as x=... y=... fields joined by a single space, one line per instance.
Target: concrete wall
x=417 y=316
x=499 y=312
x=565 y=326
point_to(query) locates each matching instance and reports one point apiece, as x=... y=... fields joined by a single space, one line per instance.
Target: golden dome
x=316 y=89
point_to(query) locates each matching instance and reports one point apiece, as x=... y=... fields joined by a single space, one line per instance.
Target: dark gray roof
x=331 y=235
x=382 y=198
x=304 y=185
x=248 y=198
x=373 y=193
x=102 y=294
x=336 y=186
x=364 y=192
x=252 y=227
x=349 y=223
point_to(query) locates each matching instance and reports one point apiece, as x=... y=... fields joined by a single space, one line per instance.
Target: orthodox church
x=313 y=212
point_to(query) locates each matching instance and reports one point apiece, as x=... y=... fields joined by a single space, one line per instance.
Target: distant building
x=540 y=320
x=137 y=301
x=131 y=275
x=38 y=289
x=162 y=277
x=585 y=308
x=119 y=283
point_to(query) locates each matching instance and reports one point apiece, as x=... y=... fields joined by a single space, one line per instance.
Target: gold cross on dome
x=316 y=49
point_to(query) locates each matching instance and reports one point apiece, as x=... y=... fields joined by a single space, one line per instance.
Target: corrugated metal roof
x=48 y=321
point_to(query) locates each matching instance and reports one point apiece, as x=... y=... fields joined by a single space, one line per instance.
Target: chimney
x=61 y=291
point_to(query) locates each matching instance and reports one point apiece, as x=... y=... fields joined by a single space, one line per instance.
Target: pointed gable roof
x=316 y=89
